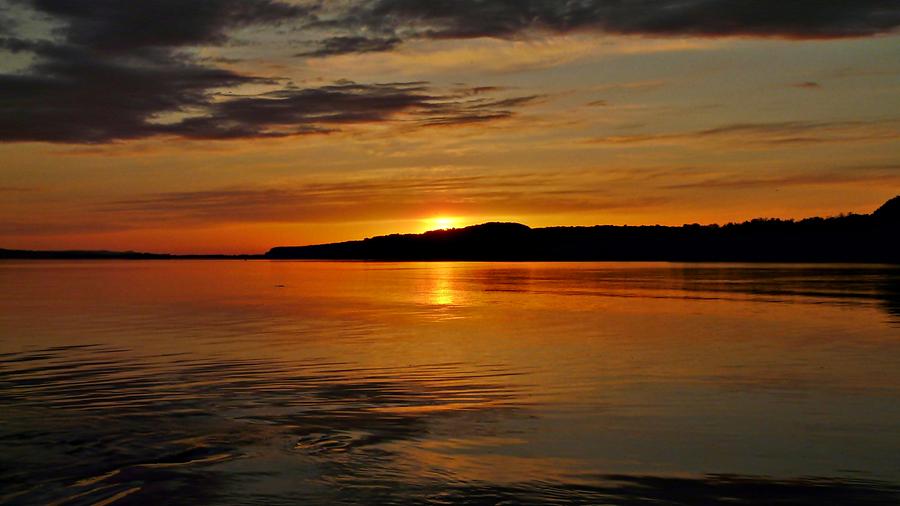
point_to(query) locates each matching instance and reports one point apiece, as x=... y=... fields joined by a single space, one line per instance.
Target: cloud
x=373 y=198
x=122 y=26
x=769 y=134
x=845 y=176
x=345 y=45
x=59 y=227
x=119 y=70
x=114 y=66
x=462 y=19
x=808 y=85
x=70 y=95
x=110 y=70
x=296 y=111
x=630 y=87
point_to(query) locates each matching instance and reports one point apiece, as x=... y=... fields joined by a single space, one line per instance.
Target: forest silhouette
x=847 y=238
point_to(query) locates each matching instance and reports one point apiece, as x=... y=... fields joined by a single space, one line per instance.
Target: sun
x=441 y=222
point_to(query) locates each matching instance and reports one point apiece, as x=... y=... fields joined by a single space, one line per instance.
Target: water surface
x=207 y=382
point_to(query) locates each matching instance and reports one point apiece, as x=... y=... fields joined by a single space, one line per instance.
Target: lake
x=267 y=382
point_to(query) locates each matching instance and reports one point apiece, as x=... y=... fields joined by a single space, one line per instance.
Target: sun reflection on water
x=441 y=292
x=442 y=285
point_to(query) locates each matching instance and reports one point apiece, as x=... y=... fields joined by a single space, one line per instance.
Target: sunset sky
x=237 y=125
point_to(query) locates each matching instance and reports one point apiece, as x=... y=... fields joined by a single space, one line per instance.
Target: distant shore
x=853 y=238
x=19 y=254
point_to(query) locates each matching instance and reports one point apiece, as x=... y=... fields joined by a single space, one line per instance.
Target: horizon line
x=892 y=200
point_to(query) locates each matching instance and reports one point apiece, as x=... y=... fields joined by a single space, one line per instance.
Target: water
x=182 y=382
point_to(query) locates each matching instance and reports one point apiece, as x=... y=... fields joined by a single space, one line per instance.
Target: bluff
x=847 y=238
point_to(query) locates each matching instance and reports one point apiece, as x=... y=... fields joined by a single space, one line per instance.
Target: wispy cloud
x=494 y=56
x=32 y=228
x=888 y=174
x=807 y=85
x=352 y=44
x=298 y=111
x=374 y=199
x=774 y=133
x=17 y=189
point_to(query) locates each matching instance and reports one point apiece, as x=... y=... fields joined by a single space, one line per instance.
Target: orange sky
x=254 y=129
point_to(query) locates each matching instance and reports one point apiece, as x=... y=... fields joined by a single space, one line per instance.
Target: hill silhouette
x=847 y=238
x=889 y=211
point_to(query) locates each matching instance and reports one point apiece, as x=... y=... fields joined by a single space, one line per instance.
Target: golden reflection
x=491 y=373
x=492 y=465
x=441 y=291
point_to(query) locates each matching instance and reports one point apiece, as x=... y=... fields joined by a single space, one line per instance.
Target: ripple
x=111 y=426
x=479 y=384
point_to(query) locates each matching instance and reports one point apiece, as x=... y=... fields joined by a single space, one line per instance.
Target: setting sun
x=442 y=222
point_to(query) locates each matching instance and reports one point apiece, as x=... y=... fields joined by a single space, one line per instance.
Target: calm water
x=448 y=383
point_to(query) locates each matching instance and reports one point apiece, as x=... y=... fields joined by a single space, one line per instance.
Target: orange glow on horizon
x=442 y=222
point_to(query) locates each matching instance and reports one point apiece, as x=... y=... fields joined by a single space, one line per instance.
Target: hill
x=848 y=238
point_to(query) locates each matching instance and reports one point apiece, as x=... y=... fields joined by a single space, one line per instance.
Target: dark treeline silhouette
x=848 y=238
x=78 y=255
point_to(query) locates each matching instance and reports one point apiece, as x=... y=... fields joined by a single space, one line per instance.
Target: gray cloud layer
x=449 y=19
x=118 y=26
x=119 y=70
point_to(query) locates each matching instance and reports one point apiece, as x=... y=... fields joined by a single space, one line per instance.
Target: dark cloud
x=485 y=89
x=119 y=70
x=121 y=26
x=352 y=44
x=6 y=24
x=92 y=111
x=478 y=111
x=443 y=19
x=79 y=99
x=295 y=111
x=113 y=68
x=808 y=85
x=70 y=95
